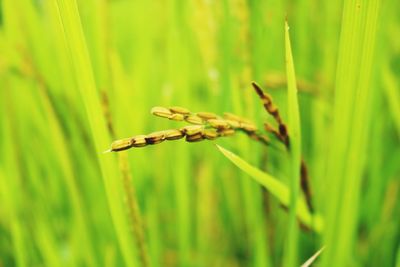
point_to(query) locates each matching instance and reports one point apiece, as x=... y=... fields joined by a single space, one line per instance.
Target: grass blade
x=352 y=118
x=392 y=95
x=277 y=189
x=294 y=152
x=75 y=42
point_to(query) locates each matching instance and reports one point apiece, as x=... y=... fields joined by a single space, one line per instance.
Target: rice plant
x=273 y=137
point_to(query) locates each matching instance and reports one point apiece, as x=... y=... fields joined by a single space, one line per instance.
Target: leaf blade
x=276 y=188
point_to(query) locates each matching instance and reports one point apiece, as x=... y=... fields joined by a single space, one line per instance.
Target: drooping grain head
x=204 y=126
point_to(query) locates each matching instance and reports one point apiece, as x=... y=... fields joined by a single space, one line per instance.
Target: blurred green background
x=70 y=68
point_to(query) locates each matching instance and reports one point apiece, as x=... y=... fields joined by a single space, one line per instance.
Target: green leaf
x=75 y=42
x=277 y=189
x=294 y=152
x=350 y=137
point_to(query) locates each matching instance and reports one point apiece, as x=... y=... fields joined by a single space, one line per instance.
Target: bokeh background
x=75 y=75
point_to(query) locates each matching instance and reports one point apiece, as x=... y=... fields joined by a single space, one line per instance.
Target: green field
x=76 y=75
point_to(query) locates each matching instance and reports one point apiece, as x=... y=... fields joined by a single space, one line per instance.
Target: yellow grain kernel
x=206 y=115
x=193 y=119
x=218 y=124
x=192 y=129
x=173 y=134
x=161 y=112
x=176 y=117
x=233 y=123
x=195 y=137
x=179 y=110
x=139 y=141
x=248 y=127
x=121 y=144
x=210 y=134
x=226 y=132
x=155 y=138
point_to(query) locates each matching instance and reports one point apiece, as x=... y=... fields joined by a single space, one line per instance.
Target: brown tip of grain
x=257 y=88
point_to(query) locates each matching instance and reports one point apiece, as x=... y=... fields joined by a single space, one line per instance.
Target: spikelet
x=193 y=119
x=121 y=144
x=139 y=141
x=161 y=112
x=155 y=138
x=207 y=115
x=179 y=110
x=173 y=134
x=218 y=124
x=210 y=134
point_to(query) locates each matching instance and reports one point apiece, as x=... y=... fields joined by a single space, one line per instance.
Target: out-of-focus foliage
x=77 y=74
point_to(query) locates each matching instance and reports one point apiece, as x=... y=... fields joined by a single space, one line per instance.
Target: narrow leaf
x=294 y=152
x=277 y=189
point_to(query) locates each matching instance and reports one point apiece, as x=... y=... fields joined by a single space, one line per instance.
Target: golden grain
x=195 y=137
x=210 y=134
x=173 y=134
x=176 y=117
x=248 y=127
x=155 y=138
x=161 y=112
x=233 y=123
x=179 y=110
x=121 y=144
x=192 y=129
x=139 y=141
x=226 y=132
x=205 y=125
x=193 y=119
x=206 y=115
x=218 y=124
